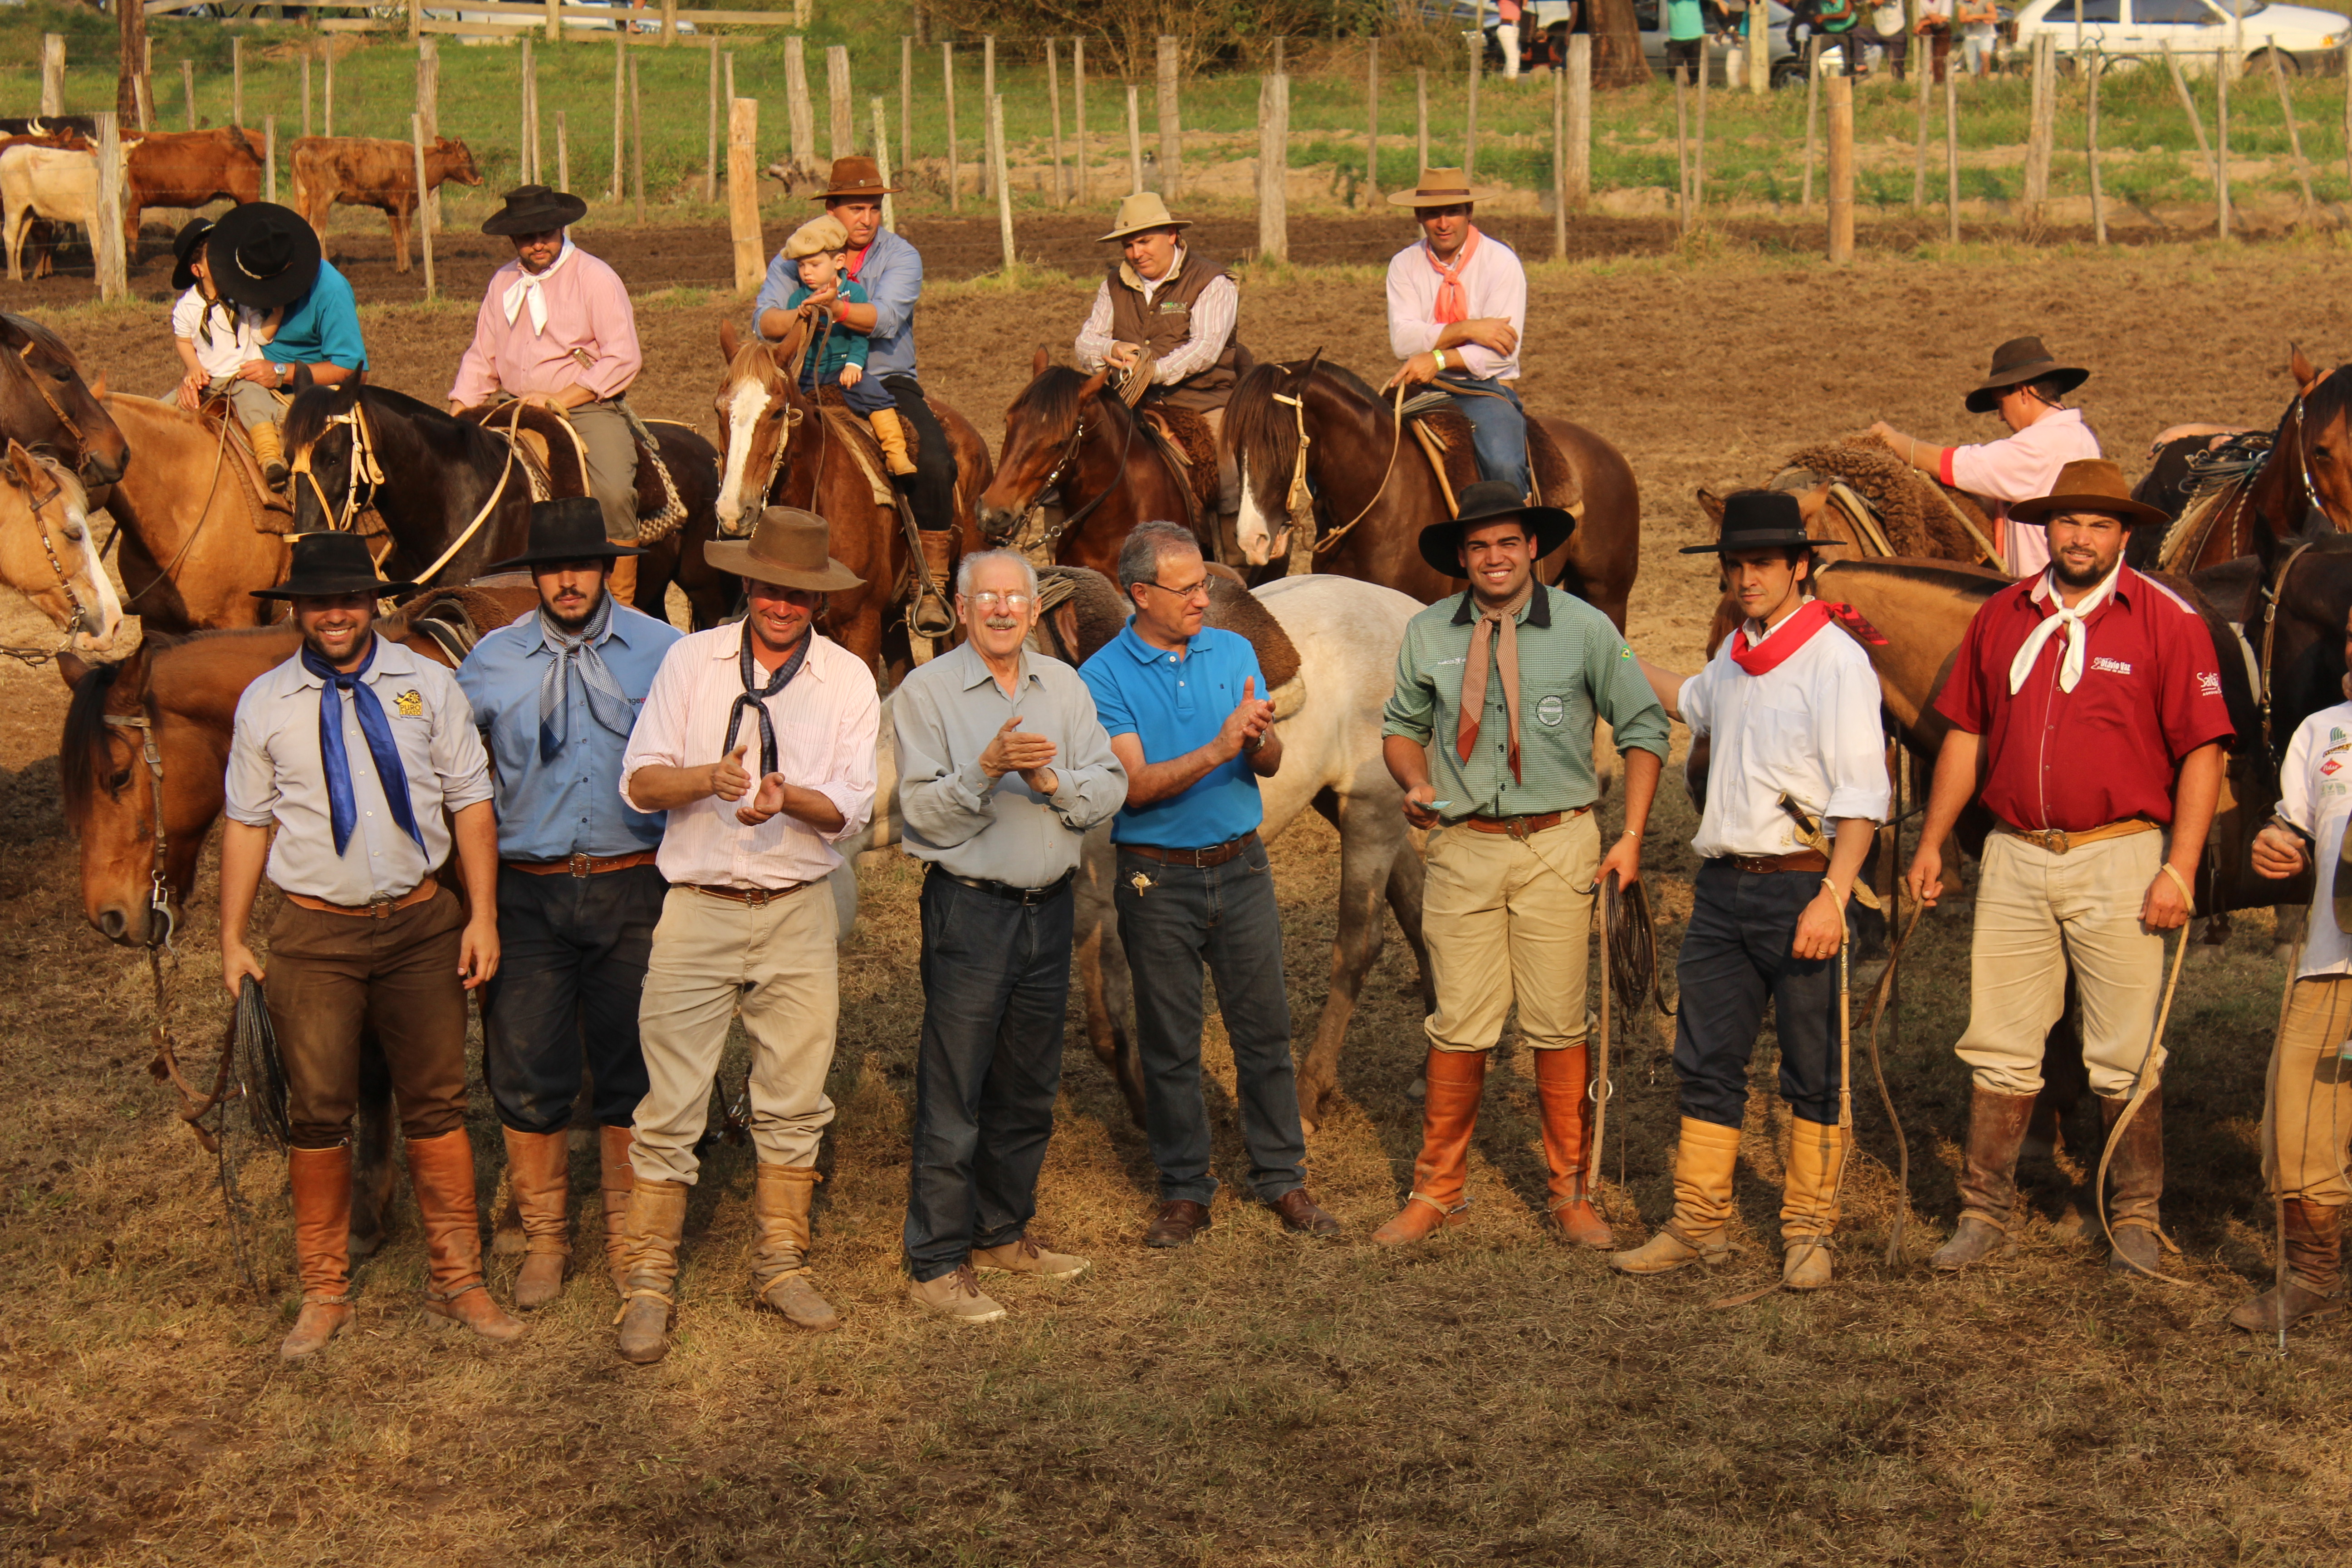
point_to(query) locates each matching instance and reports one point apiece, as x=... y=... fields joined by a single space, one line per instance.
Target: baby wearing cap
x=836 y=354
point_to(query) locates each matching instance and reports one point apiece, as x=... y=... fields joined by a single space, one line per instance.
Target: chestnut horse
x=2300 y=488
x=191 y=517
x=46 y=405
x=1376 y=491
x=46 y=553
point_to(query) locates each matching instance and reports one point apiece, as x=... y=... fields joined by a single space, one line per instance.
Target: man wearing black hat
x=555 y=696
x=365 y=759
x=1489 y=732
x=556 y=329
x=263 y=256
x=1788 y=706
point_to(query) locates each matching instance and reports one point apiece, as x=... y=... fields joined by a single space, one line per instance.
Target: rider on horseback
x=264 y=257
x=1458 y=304
x=1176 y=305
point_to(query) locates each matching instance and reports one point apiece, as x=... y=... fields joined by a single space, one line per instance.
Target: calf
x=38 y=182
x=364 y=172
x=186 y=169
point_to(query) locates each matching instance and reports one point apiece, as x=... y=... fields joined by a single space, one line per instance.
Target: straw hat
x=787 y=549
x=818 y=237
x=1440 y=188
x=2014 y=363
x=2089 y=484
x=1140 y=213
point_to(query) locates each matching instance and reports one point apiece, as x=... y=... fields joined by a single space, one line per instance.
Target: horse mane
x=313 y=407
x=1916 y=523
x=1968 y=581
x=1263 y=443
x=43 y=337
x=1053 y=399
x=84 y=742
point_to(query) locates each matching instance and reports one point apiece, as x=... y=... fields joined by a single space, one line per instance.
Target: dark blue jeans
x=1735 y=958
x=572 y=962
x=996 y=984
x=1498 y=428
x=1178 y=921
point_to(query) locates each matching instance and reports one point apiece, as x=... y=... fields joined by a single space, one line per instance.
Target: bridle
x=363 y=474
x=1032 y=536
x=1298 y=501
x=82 y=619
x=65 y=420
x=159 y=896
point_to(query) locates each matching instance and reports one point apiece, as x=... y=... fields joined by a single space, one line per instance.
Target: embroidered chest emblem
x=409 y=704
x=1550 y=711
x=2209 y=684
x=2112 y=665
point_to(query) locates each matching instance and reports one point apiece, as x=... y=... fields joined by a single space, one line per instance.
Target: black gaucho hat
x=1491 y=500
x=184 y=250
x=327 y=565
x=262 y=255
x=535 y=209
x=569 y=528
x=1759 y=520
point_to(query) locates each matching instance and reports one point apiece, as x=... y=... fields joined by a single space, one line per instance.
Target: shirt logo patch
x=1550 y=711
x=2337 y=734
x=2112 y=665
x=2208 y=683
x=409 y=704
x=2330 y=766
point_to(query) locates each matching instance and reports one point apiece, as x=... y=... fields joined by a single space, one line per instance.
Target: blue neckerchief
x=342 y=811
x=755 y=697
x=607 y=703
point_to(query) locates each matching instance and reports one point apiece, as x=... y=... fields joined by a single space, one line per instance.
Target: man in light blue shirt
x=1184 y=705
x=555 y=696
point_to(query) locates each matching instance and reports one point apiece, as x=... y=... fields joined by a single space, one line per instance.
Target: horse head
x=2322 y=434
x=112 y=796
x=758 y=404
x=1044 y=430
x=45 y=403
x=1263 y=420
x=45 y=549
x=333 y=472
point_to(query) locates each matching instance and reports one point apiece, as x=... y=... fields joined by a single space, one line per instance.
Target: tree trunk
x=1617 y=46
x=133 y=20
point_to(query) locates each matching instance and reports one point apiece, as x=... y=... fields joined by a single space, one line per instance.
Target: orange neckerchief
x=1496 y=633
x=1452 y=300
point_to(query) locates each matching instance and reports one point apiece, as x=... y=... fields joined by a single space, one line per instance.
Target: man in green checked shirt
x=1507 y=679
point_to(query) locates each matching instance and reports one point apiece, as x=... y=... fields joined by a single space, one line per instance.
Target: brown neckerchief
x=1499 y=626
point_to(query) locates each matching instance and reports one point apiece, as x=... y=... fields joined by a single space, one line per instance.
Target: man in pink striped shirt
x=1458 y=304
x=556 y=328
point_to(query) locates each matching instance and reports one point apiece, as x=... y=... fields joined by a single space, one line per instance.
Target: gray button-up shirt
x=945 y=714
x=276 y=775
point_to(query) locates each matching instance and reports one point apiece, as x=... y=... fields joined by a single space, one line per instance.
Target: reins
x=1040 y=548
x=506 y=470
x=1299 y=501
x=65 y=420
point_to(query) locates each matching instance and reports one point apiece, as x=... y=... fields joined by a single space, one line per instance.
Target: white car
x=2193 y=28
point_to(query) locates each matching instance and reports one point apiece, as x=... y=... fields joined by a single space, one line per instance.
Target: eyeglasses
x=1199 y=590
x=990 y=599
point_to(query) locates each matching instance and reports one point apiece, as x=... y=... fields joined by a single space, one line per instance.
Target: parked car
x=2134 y=27
x=1650 y=17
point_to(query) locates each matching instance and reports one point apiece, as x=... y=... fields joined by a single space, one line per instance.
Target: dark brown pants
x=333 y=977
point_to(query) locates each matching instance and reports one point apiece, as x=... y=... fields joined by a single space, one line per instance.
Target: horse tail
x=83 y=746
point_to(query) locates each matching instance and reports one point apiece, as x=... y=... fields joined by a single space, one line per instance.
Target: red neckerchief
x=860 y=262
x=1762 y=658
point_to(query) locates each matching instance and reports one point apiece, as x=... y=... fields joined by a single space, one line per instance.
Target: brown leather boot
x=1997 y=1125
x=1563 y=1079
x=780 y=1277
x=441 y=1173
x=2136 y=1172
x=1449 y=1114
x=2314 y=1270
x=618 y=1178
x=539 y=1172
x=1809 y=1203
x=621 y=582
x=1704 y=1163
x=935 y=617
x=655 y=1221
x=322 y=1230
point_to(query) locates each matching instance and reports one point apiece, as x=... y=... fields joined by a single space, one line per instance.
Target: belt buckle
x=379 y=906
x=579 y=864
x=2060 y=842
x=1517 y=829
x=756 y=898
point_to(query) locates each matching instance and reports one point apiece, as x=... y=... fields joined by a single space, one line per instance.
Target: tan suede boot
x=621 y=582
x=1449 y=1114
x=891 y=431
x=779 y=1246
x=614 y=1181
x=1809 y=1203
x=1996 y=1124
x=933 y=614
x=441 y=1172
x=322 y=1230
x=2315 y=1272
x=269 y=451
x=1703 y=1167
x=538 y=1171
x=1563 y=1079
x=656 y=1220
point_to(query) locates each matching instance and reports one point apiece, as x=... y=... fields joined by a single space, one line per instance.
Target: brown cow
x=365 y=172
x=188 y=169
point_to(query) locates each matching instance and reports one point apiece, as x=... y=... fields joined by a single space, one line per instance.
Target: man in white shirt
x=747 y=925
x=2025 y=385
x=1457 y=306
x=1790 y=706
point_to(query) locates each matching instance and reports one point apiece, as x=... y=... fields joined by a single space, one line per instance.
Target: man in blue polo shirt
x=1184 y=706
x=266 y=258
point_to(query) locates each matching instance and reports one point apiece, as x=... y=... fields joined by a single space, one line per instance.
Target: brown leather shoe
x=1024 y=1255
x=441 y=1173
x=957 y=1297
x=1996 y=1124
x=323 y=1225
x=1177 y=1223
x=539 y=1172
x=2315 y=1239
x=1301 y=1215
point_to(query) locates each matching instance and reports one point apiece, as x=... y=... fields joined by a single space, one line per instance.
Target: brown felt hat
x=854 y=177
x=787 y=549
x=2015 y=362
x=1440 y=188
x=2089 y=484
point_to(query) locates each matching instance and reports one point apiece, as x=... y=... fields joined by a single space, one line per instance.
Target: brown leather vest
x=1168 y=322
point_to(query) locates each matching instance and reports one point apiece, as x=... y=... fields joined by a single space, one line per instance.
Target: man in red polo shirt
x=2086 y=705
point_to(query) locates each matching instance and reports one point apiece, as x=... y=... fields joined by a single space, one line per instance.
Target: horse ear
x=20 y=464
x=98 y=385
x=1037 y=366
x=2305 y=373
x=71 y=668
x=1712 y=504
x=1094 y=383
x=729 y=341
x=1306 y=371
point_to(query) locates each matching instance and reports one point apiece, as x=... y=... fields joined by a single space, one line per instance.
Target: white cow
x=52 y=182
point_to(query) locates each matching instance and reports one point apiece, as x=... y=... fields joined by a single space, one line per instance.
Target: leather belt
x=1006 y=890
x=2058 y=840
x=1214 y=855
x=1801 y=860
x=383 y=906
x=753 y=898
x=1520 y=827
x=580 y=865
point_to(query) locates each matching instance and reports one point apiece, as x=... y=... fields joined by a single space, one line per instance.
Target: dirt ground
x=1490 y=1398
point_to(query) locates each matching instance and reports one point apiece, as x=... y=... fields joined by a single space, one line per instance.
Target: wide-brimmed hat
x=1759 y=520
x=854 y=177
x=262 y=255
x=569 y=528
x=788 y=548
x=2090 y=484
x=535 y=209
x=1441 y=188
x=1491 y=500
x=327 y=565
x=184 y=250
x=2017 y=362
x=818 y=237
x=1139 y=214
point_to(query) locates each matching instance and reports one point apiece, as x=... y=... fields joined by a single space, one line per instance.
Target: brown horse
x=1374 y=491
x=46 y=403
x=2223 y=495
x=46 y=553
x=777 y=447
x=191 y=516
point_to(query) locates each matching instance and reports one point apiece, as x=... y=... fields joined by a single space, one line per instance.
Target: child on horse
x=214 y=340
x=838 y=355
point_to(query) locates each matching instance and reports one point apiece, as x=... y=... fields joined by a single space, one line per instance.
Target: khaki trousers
x=612 y=448
x=777 y=967
x=253 y=403
x=2313 y=1110
x=2040 y=913
x=1505 y=920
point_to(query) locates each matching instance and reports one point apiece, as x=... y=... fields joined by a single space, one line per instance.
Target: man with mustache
x=555 y=696
x=1003 y=767
x=354 y=749
x=2086 y=711
x=748 y=925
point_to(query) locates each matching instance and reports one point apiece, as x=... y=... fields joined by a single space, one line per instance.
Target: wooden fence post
x=743 y=195
x=53 y=73
x=2344 y=67
x=1079 y=101
x=415 y=9
x=2294 y=134
x=1919 y=146
x=2091 y=70
x=2196 y=119
x=188 y=89
x=840 y=116
x=1134 y=140
x=1578 y=178
x=1054 y=90
x=1759 y=47
x=2041 y=127
x=327 y=93
x=637 y=138
x=1952 y=155
x=1274 y=167
x=669 y=22
x=1171 y=129
x=1421 y=121
x=620 y=117
x=796 y=102
x=527 y=154
x=1681 y=152
x=1840 y=96
x=1699 y=149
x=424 y=230
x=2222 y=65
x=270 y=158
x=1813 y=58
x=236 y=81
x=987 y=103
x=906 y=100
x=1372 y=121
x=306 y=94
x=947 y=75
x=428 y=109
x=882 y=164
x=1003 y=191
x=562 y=154
x=106 y=239
x=1560 y=165
x=555 y=21
x=1477 y=46
x=710 y=131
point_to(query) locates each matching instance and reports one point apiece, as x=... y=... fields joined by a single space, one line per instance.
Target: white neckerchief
x=526 y=287
x=2070 y=667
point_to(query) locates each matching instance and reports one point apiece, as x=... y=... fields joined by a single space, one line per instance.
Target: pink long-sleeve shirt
x=2021 y=468
x=587 y=308
x=1497 y=285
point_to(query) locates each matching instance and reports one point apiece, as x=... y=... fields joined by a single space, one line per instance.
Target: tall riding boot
x=891 y=432
x=538 y=1171
x=1449 y=1114
x=441 y=1172
x=656 y=1220
x=1563 y=1079
x=1809 y=1204
x=618 y=1177
x=779 y=1245
x=1997 y=1125
x=621 y=582
x=933 y=614
x=2314 y=1269
x=269 y=451
x=1704 y=1163
x=2137 y=1169
x=322 y=1228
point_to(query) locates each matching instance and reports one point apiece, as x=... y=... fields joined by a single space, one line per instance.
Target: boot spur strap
x=432 y=1295
x=1412 y=1198
x=342 y=1300
x=629 y=1298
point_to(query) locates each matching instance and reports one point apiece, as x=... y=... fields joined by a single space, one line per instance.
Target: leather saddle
x=1443 y=433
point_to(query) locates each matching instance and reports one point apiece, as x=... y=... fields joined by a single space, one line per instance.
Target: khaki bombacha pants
x=612 y=448
x=1510 y=919
x=2313 y=1110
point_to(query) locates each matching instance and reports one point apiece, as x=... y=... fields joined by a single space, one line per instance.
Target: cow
x=46 y=182
x=186 y=169
x=365 y=171
x=39 y=234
